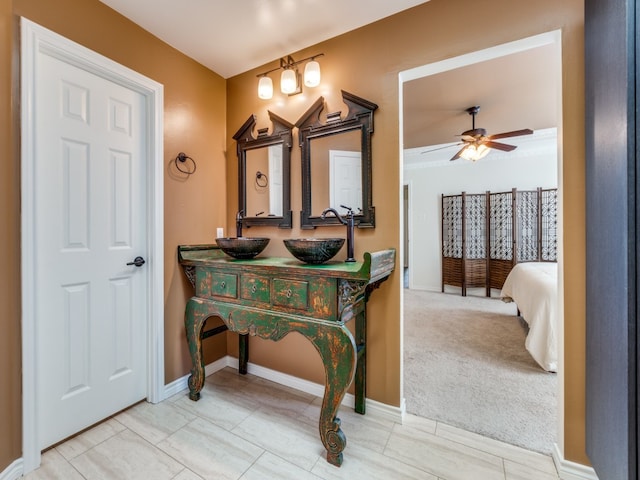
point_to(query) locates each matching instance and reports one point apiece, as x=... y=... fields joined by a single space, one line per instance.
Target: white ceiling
x=233 y=36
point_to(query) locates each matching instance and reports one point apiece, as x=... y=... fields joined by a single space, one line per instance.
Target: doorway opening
x=448 y=88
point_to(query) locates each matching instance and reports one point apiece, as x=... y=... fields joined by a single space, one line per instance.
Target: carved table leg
x=338 y=352
x=195 y=315
x=332 y=340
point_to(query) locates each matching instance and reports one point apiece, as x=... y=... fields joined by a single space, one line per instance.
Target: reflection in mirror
x=264 y=181
x=336 y=162
x=264 y=173
x=336 y=172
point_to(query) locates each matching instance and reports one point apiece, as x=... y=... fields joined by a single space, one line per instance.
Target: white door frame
x=34 y=39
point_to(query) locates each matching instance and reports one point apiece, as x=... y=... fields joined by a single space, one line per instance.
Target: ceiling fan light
x=265 y=88
x=312 y=74
x=475 y=152
x=288 y=81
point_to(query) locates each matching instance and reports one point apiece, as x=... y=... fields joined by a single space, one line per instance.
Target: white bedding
x=534 y=288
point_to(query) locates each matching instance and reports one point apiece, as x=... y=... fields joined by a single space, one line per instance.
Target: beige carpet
x=465 y=365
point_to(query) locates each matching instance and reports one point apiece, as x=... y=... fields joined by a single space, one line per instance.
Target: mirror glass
x=336 y=163
x=264 y=173
x=263 y=182
x=336 y=172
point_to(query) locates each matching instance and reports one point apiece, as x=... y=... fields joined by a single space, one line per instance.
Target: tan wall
x=10 y=399
x=366 y=62
x=194 y=122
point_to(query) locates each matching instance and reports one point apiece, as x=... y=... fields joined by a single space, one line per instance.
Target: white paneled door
x=276 y=186
x=345 y=184
x=90 y=219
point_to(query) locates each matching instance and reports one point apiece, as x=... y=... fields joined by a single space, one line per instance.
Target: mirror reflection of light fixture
x=474 y=152
x=290 y=81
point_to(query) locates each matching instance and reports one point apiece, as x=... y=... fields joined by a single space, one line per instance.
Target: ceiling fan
x=476 y=143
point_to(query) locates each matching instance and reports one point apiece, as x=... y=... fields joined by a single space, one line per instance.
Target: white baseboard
x=175 y=387
x=567 y=467
x=13 y=471
x=182 y=383
x=375 y=409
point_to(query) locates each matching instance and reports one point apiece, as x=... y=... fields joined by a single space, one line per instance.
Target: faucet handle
x=348 y=209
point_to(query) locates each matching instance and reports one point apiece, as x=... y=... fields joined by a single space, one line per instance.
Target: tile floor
x=245 y=427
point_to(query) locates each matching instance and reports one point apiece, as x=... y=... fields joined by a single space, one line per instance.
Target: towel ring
x=182 y=158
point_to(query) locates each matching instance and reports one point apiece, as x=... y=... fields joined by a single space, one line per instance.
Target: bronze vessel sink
x=314 y=250
x=242 y=248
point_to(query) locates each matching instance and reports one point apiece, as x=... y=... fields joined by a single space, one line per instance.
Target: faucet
x=239 y=216
x=349 y=222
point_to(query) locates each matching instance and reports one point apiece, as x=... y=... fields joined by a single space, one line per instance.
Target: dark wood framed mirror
x=264 y=173
x=336 y=162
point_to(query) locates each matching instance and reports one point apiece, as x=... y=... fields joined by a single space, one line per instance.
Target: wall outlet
x=219 y=232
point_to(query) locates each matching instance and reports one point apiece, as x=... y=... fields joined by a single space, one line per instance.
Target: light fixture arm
x=288 y=62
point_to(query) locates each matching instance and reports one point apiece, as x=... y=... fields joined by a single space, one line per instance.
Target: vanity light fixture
x=290 y=81
x=312 y=74
x=265 y=88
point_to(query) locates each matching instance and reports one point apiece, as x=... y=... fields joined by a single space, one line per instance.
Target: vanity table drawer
x=254 y=287
x=291 y=293
x=224 y=285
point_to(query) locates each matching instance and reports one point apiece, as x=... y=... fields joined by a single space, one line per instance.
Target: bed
x=533 y=286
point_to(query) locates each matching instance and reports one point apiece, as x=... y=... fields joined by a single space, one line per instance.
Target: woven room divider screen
x=485 y=234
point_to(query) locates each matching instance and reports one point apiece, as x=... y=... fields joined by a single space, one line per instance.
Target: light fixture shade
x=475 y=152
x=265 y=88
x=312 y=74
x=288 y=83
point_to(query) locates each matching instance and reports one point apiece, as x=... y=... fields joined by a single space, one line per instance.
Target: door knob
x=138 y=262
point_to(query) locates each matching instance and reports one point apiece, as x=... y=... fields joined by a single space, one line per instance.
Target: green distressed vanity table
x=271 y=297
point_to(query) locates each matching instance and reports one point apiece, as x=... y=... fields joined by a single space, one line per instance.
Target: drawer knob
x=289 y=293
x=253 y=288
x=223 y=284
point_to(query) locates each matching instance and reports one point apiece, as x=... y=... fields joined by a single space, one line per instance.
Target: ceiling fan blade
x=440 y=148
x=457 y=155
x=500 y=146
x=515 y=133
